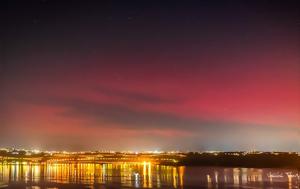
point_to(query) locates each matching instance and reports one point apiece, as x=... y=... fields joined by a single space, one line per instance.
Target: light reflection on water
x=142 y=175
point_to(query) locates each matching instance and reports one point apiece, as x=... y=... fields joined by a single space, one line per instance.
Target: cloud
x=128 y=117
x=136 y=96
x=209 y=134
x=123 y=115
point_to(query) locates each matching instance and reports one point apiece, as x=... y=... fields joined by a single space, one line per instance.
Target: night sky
x=150 y=75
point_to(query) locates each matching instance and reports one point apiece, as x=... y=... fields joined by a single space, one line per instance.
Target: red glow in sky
x=182 y=80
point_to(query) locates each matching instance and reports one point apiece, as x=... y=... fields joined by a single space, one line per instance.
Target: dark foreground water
x=141 y=175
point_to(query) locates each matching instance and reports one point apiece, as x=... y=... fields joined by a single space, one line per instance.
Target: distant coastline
x=220 y=159
x=239 y=159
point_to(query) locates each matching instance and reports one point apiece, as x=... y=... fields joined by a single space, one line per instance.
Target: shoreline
x=20 y=162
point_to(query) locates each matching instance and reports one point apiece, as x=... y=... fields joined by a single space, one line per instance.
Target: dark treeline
x=291 y=160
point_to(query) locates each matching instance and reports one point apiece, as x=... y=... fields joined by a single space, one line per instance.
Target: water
x=141 y=175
